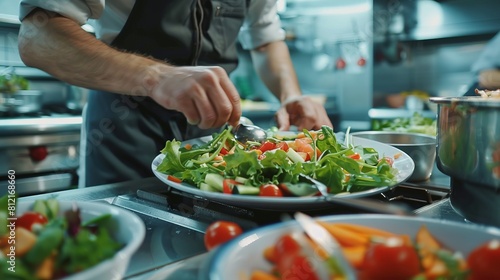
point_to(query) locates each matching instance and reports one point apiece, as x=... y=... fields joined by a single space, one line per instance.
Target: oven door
x=38 y=184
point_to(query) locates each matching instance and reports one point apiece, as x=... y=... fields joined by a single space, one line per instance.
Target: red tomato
x=270 y=190
x=220 y=232
x=390 y=260
x=282 y=145
x=267 y=146
x=228 y=185
x=483 y=261
x=286 y=245
x=298 y=267
x=28 y=219
x=224 y=151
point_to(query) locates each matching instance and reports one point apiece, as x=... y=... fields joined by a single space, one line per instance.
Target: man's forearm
x=273 y=64
x=63 y=49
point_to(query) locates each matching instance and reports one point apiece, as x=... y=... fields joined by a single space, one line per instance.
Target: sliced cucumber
x=40 y=207
x=215 y=181
x=49 y=207
x=245 y=190
x=241 y=180
x=53 y=206
x=206 y=187
x=294 y=156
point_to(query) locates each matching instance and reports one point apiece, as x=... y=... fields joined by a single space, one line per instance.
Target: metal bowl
x=21 y=102
x=420 y=147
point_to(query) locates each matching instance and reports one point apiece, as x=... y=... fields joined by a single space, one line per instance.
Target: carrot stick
x=427 y=245
x=355 y=255
x=344 y=236
x=262 y=275
x=366 y=230
x=269 y=254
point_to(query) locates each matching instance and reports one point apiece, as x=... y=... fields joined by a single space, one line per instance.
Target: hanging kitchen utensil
x=340 y=63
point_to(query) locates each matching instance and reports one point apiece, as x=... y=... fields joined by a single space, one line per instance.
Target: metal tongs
x=327 y=242
x=359 y=203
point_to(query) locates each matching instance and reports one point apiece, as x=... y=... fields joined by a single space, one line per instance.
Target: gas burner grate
x=415 y=195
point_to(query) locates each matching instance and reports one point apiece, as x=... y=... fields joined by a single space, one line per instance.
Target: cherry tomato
x=392 y=259
x=220 y=232
x=283 y=146
x=267 y=146
x=270 y=190
x=297 y=267
x=483 y=261
x=224 y=151
x=228 y=185
x=28 y=219
x=286 y=245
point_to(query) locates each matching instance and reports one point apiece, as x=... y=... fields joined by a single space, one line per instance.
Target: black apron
x=125 y=133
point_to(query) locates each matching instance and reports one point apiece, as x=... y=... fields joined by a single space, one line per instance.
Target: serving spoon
x=246 y=132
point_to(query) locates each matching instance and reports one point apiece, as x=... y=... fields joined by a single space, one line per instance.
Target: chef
x=159 y=70
x=487 y=67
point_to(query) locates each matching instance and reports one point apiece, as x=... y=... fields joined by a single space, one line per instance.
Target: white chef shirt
x=261 y=25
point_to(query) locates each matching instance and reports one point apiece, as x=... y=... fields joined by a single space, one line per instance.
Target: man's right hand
x=204 y=94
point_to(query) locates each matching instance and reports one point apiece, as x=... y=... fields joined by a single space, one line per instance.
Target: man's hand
x=59 y=46
x=490 y=79
x=205 y=95
x=302 y=112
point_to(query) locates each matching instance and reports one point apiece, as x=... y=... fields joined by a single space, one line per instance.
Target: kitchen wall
x=319 y=33
x=433 y=48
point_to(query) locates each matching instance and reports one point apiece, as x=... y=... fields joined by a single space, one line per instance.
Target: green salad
x=416 y=124
x=46 y=244
x=228 y=166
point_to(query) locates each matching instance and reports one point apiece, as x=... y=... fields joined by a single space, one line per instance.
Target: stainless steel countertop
x=160 y=221
x=39 y=125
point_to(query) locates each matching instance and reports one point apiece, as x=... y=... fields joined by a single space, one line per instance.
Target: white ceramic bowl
x=125 y=227
x=244 y=254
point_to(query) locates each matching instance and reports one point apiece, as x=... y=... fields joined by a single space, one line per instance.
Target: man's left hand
x=303 y=112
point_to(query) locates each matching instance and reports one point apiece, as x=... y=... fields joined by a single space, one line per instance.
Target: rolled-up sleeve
x=261 y=26
x=78 y=10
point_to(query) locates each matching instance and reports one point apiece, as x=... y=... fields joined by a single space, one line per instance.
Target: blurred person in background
x=159 y=70
x=487 y=67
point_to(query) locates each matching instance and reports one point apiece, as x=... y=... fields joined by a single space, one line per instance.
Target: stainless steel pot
x=21 y=102
x=468 y=150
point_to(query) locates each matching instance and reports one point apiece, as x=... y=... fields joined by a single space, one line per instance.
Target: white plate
x=239 y=257
x=404 y=164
